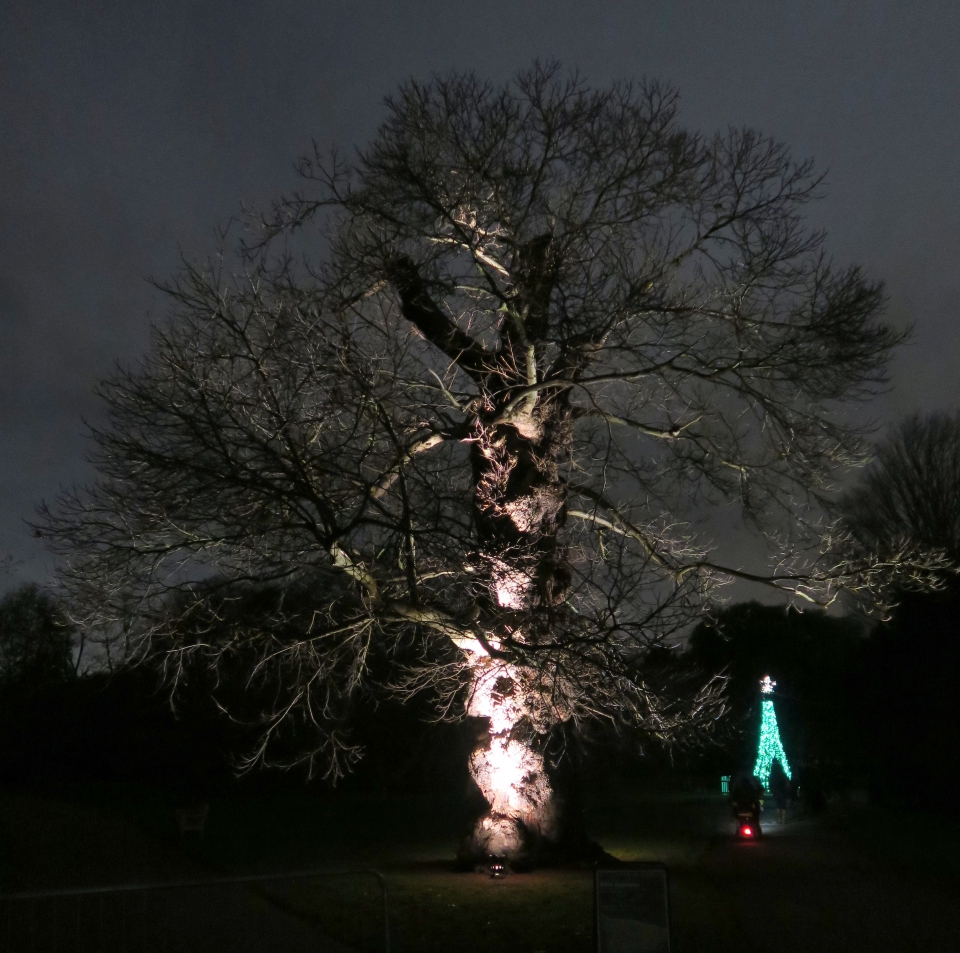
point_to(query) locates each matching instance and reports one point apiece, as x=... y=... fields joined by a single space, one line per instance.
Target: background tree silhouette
x=909 y=712
x=474 y=388
x=912 y=489
x=36 y=641
x=814 y=659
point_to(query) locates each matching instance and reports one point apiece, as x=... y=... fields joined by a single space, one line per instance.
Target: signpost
x=632 y=909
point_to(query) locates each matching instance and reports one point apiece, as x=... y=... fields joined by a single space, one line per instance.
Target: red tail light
x=747 y=831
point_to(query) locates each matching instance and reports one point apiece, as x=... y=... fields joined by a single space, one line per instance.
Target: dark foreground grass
x=866 y=880
x=869 y=880
x=435 y=909
x=412 y=842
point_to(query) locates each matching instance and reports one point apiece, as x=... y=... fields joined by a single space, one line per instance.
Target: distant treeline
x=874 y=704
x=862 y=704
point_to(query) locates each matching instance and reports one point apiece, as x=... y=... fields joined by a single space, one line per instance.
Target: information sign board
x=632 y=909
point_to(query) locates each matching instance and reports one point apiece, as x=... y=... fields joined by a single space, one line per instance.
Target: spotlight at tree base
x=497 y=868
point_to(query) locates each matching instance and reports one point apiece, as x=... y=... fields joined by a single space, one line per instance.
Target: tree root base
x=579 y=853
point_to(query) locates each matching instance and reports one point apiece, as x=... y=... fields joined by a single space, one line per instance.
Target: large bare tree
x=476 y=388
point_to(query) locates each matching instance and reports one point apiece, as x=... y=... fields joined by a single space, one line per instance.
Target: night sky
x=130 y=130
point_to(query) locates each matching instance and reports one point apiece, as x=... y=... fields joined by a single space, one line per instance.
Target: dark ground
x=854 y=879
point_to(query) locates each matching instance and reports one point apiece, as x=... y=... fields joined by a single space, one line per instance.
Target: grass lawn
x=871 y=880
x=413 y=841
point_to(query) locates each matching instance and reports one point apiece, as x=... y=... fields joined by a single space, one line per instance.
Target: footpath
x=829 y=883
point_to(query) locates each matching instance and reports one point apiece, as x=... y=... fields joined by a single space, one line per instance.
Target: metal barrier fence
x=127 y=917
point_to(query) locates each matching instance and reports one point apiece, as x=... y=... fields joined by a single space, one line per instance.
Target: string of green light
x=770 y=747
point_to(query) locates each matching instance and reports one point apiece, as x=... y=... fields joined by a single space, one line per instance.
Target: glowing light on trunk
x=510 y=773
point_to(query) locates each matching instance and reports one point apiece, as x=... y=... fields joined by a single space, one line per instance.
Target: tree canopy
x=476 y=386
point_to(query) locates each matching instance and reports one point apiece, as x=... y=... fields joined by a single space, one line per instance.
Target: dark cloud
x=130 y=130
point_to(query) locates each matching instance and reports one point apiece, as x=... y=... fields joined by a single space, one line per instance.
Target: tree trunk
x=522 y=824
x=519 y=510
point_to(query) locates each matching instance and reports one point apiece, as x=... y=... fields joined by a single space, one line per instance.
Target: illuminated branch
x=418 y=446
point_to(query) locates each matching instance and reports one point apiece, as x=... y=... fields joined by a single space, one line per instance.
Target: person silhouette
x=778 y=790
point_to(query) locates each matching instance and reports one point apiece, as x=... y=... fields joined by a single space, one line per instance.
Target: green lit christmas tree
x=770 y=747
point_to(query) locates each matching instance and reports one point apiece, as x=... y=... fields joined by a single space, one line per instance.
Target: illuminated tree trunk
x=522 y=823
x=520 y=507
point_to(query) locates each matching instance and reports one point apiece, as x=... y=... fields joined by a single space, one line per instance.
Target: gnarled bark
x=519 y=508
x=523 y=817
